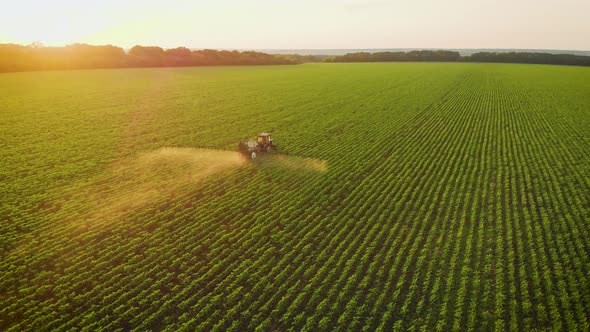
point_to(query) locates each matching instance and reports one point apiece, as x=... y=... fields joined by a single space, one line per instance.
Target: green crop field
x=407 y=196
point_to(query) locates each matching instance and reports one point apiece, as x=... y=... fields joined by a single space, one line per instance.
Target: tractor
x=251 y=148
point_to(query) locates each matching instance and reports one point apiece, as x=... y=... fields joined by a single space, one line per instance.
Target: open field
x=421 y=196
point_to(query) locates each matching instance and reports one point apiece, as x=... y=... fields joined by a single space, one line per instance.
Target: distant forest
x=15 y=57
x=82 y=56
x=451 y=56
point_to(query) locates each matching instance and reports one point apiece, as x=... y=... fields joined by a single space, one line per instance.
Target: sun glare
x=261 y=24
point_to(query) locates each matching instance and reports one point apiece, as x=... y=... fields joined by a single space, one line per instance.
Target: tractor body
x=251 y=148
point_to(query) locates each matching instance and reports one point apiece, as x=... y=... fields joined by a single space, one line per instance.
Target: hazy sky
x=256 y=24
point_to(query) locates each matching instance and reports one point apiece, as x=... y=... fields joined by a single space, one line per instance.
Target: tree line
x=397 y=56
x=452 y=56
x=528 y=57
x=15 y=57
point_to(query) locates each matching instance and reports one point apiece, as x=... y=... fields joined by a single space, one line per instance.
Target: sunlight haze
x=265 y=24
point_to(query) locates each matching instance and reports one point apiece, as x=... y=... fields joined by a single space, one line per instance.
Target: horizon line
x=307 y=48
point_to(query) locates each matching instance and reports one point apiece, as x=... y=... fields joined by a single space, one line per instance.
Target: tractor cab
x=264 y=138
x=265 y=142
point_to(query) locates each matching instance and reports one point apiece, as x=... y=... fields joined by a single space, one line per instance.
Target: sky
x=301 y=24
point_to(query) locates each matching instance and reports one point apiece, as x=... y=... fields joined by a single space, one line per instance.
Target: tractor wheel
x=268 y=148
x=253 y=155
